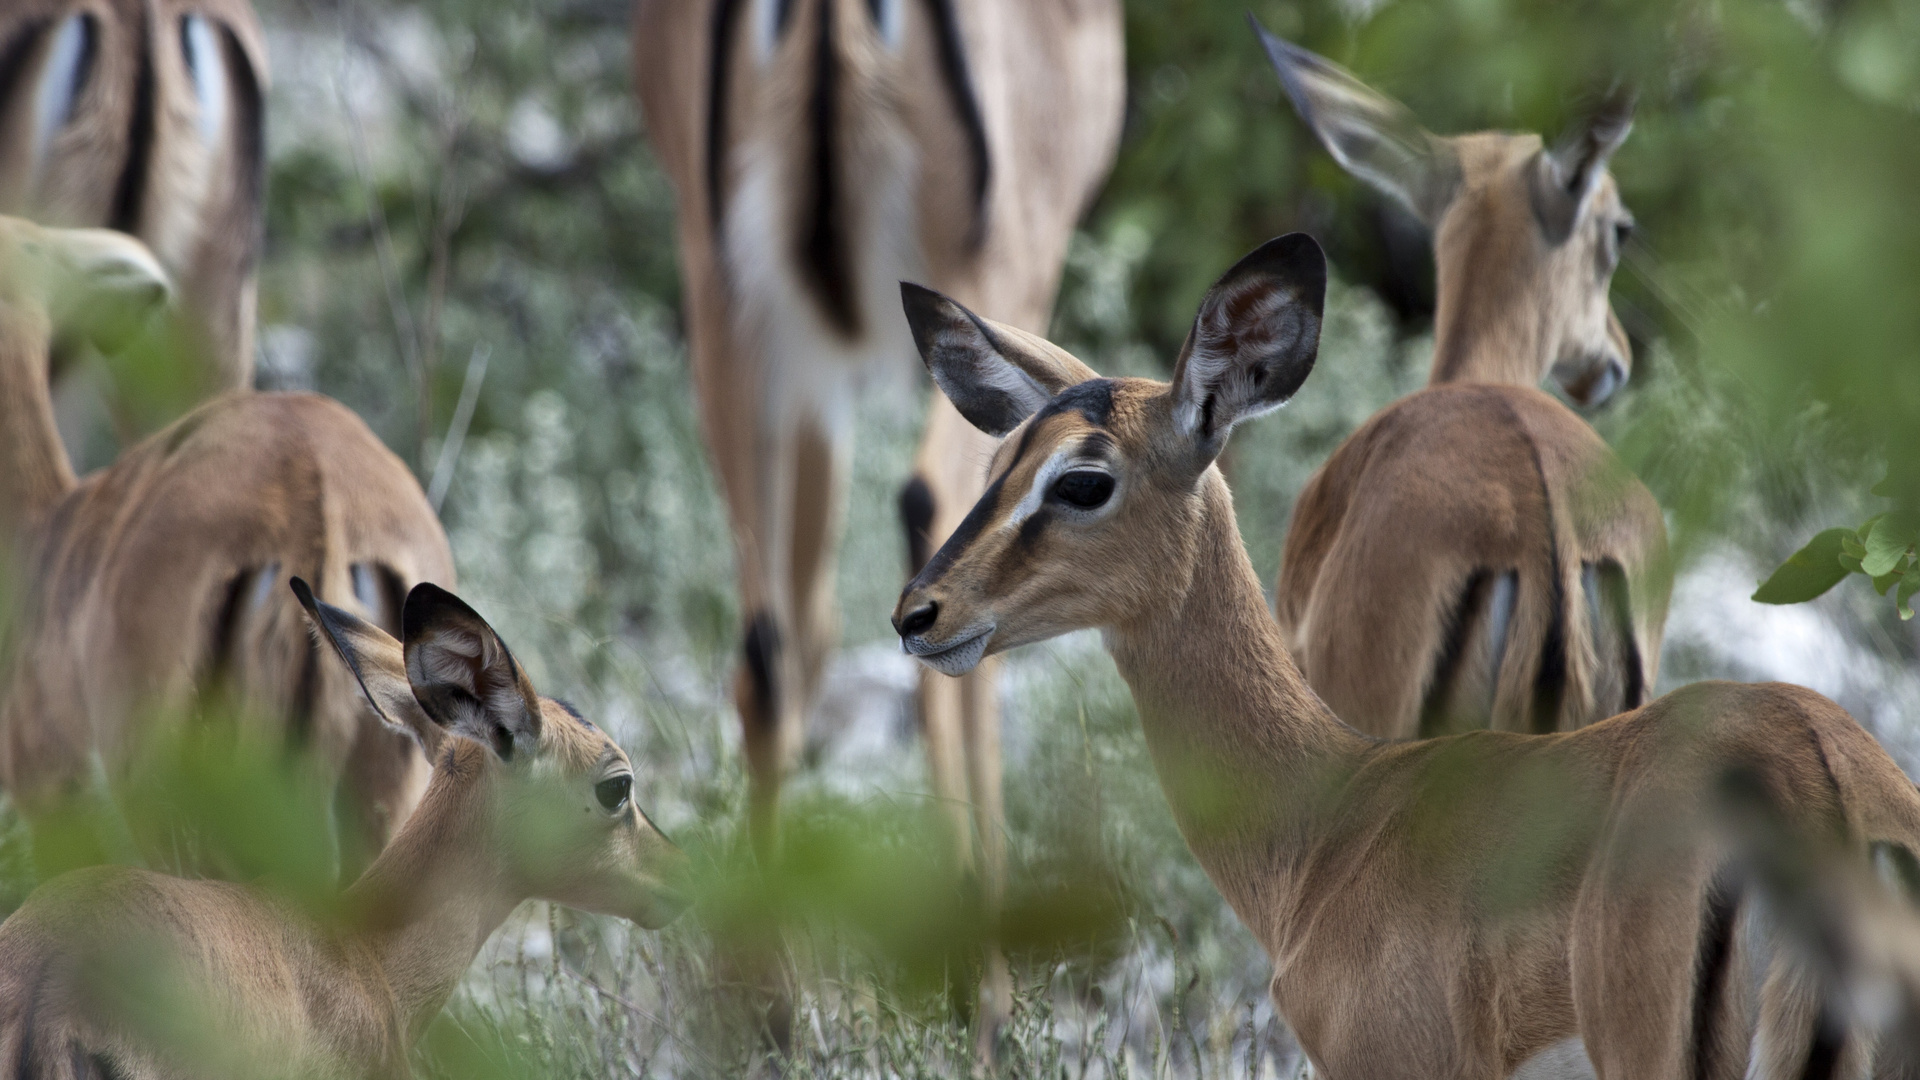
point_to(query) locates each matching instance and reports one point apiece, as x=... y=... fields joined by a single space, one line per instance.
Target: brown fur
x=1396 y=543
x=1443 y=908
x=248 y=985
x=156 y=582
x=132 y=155
x=774 y=375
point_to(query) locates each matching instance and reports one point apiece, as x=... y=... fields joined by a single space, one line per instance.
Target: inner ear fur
x=463 y=675
x=377 y=662
x=1253 y=342
x=1371 y=135
x=996 y=375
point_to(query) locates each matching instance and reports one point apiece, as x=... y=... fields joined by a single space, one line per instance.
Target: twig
x=639 y=1012
x=457 y=430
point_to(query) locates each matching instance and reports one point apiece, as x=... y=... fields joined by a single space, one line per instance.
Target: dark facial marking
x=1031 y=529
x=970 y=527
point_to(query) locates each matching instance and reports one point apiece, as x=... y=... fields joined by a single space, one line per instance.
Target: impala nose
x=917 y=620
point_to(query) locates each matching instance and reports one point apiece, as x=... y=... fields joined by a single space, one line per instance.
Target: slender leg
x=980 y=721
x=960 y=717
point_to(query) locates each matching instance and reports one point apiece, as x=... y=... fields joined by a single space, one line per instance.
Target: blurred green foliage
x=450 y=176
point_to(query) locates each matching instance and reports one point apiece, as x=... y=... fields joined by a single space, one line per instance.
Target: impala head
x=569 y=824
x=1524 y=234
x=1092 y=510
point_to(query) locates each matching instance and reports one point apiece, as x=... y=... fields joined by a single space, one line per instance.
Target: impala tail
x=811 y=156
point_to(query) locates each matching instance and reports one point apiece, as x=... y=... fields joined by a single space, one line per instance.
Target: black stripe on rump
x=1713 y=956
x=250 y=130
x=726 y=16
x=131 y=189
x=1435 y=710
x=13 y=58
x=825 y=258
x=959 y=80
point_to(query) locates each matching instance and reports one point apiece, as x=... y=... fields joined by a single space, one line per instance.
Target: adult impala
x=150 y=587
x=112 y=972
x=1441 y=908
x=823 y=150
x=146 y=116
x=1474 y=555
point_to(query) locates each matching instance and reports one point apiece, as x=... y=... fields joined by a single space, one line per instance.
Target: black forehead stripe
x=567 y=707
x=970 y=527
x=1092 y=399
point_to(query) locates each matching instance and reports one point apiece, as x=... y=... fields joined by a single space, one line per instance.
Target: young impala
x=113 y=972
x=148 y=589
x=1442 y=908
x=1475 y=556
x=146 y=116
x=822 y=150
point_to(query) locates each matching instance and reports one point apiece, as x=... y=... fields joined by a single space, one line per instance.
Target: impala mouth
x=950 y=657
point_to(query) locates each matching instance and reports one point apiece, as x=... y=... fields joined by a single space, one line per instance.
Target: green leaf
x=1886 y=545
x=1886 y=581
x=1902 y=599
x=1808 y=572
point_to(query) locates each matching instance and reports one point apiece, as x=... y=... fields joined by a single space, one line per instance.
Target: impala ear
x=376 y=660
x=463 y=675
x=1371 y=135
x=996 y=375
x=1564 y=178
x=1253 y=342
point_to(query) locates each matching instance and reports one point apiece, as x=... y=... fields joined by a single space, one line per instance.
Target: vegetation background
x=469 y=242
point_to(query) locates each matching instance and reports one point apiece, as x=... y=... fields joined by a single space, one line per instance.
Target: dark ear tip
x=919 y=301
x=303 y=593
x=426 y=602
x=1296 y=258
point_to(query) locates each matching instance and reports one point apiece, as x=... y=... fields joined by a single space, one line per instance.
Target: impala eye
x=1084 y=488
x=614 y=791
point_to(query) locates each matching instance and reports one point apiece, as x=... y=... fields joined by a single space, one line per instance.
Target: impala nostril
x=917 y=620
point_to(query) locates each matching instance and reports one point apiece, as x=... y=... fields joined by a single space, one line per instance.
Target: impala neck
x=1245 y=751
x=439 y=890
x=1478 y=334
x=34 y=471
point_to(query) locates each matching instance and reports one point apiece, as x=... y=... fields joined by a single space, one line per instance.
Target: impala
x=147 y=588
x=1474 y=555
x=527 y=800
x=146 y=116
x=822 y=150
x=1443 y=908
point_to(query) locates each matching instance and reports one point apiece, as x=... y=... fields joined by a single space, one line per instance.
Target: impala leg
x=980 y=720
x=960 y=718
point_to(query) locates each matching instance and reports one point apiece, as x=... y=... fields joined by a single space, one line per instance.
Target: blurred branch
x=457 y=429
